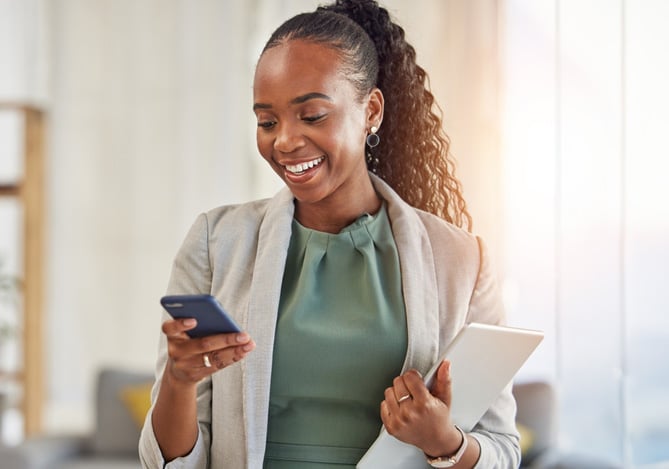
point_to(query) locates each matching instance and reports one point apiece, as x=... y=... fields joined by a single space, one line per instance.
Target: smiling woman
x=349 y=283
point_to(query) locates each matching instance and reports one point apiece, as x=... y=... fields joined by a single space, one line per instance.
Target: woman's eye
x=313 y=118
x=266 y=124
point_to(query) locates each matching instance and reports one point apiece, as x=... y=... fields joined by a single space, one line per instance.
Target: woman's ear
x=375 y=106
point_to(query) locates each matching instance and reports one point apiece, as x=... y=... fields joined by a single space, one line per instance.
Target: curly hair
x=413 y=155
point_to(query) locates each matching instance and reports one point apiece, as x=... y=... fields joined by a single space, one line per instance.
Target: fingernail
x=189 y=322
x=242 y=337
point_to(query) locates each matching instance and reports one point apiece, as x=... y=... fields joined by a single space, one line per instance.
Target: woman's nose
x=288 y=139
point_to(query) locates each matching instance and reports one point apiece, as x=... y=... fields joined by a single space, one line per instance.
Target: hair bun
x=371 y=17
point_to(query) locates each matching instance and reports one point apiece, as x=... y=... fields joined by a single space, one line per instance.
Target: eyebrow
x=299 y=100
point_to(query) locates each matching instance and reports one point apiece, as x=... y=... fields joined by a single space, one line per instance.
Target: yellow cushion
x=137 y=398
x=526 y=438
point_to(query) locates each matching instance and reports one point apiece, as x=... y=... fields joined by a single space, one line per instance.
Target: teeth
x=302 y=167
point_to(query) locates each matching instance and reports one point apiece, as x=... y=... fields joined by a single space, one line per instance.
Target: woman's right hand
x=192 y=359
x=174 y=417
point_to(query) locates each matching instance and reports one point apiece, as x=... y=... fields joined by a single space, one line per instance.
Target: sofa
x=122 y=400
x=536 y=419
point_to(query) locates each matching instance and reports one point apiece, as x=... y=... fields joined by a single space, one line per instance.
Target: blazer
x=238 y=252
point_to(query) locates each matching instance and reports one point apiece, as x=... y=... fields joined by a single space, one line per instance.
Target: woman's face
x=311 y=123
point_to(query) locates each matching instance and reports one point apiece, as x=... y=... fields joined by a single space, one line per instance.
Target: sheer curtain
x=586 y=220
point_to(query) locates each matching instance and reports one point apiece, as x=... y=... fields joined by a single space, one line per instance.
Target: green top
x=341 y=338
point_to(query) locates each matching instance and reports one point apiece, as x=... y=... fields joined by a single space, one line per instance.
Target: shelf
x=29 y=191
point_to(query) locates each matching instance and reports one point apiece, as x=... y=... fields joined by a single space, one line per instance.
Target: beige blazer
x=237 y=253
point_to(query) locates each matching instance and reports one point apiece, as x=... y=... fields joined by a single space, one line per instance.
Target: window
x=587 y=219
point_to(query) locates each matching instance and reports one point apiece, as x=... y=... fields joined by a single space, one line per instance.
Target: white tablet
x=484 y=358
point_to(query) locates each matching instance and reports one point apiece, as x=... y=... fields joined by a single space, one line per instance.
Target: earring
x=373 y=139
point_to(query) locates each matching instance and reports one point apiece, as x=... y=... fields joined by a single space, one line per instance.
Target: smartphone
x=210 y=315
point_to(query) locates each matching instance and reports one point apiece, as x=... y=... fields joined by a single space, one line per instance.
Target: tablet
x=484 y=358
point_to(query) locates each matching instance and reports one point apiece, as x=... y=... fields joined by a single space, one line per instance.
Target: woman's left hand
x=422 y=417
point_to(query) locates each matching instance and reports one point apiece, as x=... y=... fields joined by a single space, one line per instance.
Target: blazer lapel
x=419 y=281
x=265 y=291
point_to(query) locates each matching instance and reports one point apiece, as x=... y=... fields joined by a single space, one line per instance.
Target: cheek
x=264 y=144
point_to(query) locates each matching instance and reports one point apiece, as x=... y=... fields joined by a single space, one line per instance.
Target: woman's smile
x=299 y=169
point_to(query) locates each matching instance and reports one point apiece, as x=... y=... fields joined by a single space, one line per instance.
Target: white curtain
x=586 y=250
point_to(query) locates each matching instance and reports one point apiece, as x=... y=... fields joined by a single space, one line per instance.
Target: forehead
x=295 y=68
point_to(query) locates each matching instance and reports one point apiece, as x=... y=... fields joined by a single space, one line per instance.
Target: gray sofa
x=537 y=411
x=113 y=444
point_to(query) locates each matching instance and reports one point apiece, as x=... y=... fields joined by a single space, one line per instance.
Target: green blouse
x=341 y=338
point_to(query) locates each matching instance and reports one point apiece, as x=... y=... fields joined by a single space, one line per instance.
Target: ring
x=403 y=398
x=205 y=358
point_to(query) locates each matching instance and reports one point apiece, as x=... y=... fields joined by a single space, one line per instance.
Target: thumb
x=441 y=388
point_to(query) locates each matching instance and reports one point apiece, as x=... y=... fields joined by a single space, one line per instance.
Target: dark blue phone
x=210 y=315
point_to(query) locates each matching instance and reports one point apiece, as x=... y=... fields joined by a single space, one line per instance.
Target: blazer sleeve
x=191 y=274
x=496 y=432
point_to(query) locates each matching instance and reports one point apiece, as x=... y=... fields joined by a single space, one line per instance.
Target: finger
x=227 y=356
x=385 y=413
x=391 y=405
x=218 y=342
x=441 y=388
x=176 y=328
x=400 y=390
x=415 y=386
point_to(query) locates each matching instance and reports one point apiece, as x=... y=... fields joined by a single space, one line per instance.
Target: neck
x=331 y=216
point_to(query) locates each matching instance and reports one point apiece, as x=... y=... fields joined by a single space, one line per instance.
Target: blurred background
x=121 y=120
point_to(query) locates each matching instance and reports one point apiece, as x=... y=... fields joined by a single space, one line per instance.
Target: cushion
x=137 y=399
x=116 y=431
x=526 y=439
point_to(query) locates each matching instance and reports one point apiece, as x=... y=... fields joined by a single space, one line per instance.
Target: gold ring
x=205 y=358
x=403 y=398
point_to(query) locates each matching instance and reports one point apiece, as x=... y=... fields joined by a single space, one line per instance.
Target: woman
x=343 y=282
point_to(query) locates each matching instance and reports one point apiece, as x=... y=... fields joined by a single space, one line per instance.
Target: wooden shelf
x=30 y=192
x=9 y=191
x=11 y=376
